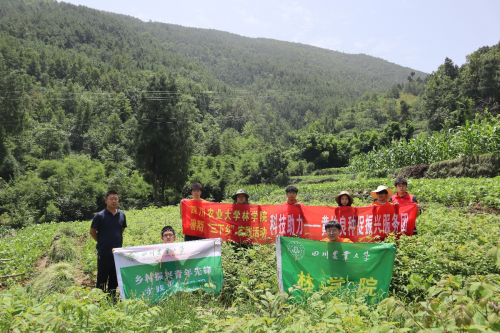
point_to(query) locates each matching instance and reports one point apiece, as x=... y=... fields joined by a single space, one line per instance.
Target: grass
x=54 y=279
x=63 y=249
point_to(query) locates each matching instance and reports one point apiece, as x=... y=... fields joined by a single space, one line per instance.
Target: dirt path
x=41 y=263
x=81 y=278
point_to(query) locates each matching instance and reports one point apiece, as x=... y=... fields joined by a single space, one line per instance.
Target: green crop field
x=446 y=279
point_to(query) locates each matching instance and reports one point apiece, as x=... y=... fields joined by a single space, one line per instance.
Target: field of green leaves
x=446 y=279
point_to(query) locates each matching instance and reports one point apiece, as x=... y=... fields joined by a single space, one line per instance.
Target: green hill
x=237 y=61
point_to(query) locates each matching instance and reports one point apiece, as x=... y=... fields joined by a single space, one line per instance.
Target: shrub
x=247 y=267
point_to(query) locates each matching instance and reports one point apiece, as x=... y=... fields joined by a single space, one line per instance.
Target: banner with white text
x=262 y=223
x=361 y=268
x=156 y=271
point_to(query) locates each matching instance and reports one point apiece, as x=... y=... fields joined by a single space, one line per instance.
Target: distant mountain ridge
x=278 y=55
x=240 y=62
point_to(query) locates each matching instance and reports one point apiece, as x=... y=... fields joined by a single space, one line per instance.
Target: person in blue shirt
x=107 y=230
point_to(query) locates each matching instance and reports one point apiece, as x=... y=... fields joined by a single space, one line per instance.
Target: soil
x=321 y=180
x=80 y=277
x=41 y=263
x=414 y=171
x=480 y=209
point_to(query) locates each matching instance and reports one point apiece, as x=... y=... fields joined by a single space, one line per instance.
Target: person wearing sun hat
x=382 y=194
x=241 y=197
x=344 y=199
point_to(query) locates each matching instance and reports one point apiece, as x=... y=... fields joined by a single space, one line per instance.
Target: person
x=168 y=234
x=241 y=197
x=344 y=199
x=382 y=194
x=196 y=191
x=107 y=230
x=291 y=193
x=332 y=229
x=402 y=197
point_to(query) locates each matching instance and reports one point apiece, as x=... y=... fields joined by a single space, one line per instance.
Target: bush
x=247 y=267
x=300 y=168
x=54 y=279
x=9 y=168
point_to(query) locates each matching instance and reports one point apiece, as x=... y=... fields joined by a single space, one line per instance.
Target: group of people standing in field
x=382 y=195
x=108 y=225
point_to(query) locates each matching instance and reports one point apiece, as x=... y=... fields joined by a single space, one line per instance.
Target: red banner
x=262 y=223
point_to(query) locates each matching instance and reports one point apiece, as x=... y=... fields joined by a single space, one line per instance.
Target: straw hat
x=240 y=191
x=380 y=189
x=337 y=198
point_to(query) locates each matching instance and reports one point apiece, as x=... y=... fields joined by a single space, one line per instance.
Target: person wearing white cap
x=382 y=194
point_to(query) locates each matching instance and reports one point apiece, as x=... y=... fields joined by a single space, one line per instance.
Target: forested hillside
x=92 y=101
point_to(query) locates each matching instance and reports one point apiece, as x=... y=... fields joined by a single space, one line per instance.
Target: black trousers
x=188 y=238
x=106 y=274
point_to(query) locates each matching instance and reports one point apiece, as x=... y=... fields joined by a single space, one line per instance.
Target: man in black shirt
x=107 y=230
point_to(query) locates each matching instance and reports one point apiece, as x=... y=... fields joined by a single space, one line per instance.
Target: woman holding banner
x=344 y=199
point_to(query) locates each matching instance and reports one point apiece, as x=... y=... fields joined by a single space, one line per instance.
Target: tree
x=11 y=111
x=164 y=134
x=450 y=69
x=404 y=111
x=440 y=97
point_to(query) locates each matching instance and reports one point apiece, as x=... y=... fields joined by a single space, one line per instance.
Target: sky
x=418 y=34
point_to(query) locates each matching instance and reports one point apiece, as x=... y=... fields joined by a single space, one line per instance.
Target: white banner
x=155 y=271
